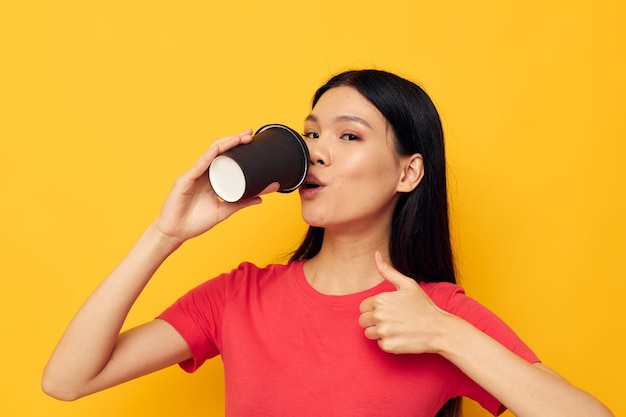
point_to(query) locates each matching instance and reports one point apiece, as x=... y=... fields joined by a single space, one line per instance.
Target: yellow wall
x=103 y=103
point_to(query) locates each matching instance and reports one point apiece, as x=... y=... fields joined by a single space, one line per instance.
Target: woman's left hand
x=402 y=321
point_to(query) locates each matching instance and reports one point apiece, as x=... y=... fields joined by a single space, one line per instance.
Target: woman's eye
x=311 y=135
x=349 y=136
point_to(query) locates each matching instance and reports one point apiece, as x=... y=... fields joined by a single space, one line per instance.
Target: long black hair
x=420 y=244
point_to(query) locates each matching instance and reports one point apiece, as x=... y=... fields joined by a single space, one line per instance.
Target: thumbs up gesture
x=405 y=320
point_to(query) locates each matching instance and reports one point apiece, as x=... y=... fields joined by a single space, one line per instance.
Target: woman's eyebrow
x=342 y=118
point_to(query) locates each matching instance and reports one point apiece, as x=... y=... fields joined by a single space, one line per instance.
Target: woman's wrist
x=165 y=242
x=451 y=334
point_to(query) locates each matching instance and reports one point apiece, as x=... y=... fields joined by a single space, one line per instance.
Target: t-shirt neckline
x=352 y=299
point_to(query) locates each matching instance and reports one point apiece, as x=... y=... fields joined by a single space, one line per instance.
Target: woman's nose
x=319 y=151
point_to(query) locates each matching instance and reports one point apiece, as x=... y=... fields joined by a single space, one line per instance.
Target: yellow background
x=104 y=103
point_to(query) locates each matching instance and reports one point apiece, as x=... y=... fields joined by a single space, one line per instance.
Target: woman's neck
x=345 y=263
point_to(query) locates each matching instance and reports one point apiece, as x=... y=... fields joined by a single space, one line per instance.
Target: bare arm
x=407 y=321
x=526 y=389
x=91 y=354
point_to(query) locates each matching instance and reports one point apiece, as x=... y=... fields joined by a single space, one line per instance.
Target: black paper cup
x=277 y=153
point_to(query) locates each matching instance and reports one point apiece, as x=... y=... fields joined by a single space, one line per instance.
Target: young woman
x=365 y=319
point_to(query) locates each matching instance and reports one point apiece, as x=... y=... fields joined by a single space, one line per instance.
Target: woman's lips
x=312 y=181
x=310 y=187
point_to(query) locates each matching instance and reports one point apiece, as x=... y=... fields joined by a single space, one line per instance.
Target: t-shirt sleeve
x=453 y=299
x=197 y=317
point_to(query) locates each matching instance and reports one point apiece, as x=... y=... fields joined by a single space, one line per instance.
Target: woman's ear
x=412 y=173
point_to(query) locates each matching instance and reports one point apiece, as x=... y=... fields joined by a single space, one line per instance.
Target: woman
x=364 y=320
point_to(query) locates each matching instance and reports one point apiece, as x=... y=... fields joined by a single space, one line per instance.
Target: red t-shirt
x=289 y=350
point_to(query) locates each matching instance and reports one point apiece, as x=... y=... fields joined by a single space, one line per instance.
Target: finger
x=256 y=199
x=367 y=305
x=400 y=281
x=252 y=201
x=270 y=188
x=247 y=202
x=366 y=320
x=230 y=208
x=372 y=333
x=229 y=142
x=217 y=147
x=245 y=133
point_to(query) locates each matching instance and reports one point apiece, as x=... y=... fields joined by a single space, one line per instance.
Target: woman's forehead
x=344 y=103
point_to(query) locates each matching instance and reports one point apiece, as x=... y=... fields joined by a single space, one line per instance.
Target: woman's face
x=355 y=173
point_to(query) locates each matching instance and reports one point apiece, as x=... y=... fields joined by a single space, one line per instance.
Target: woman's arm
x=525 y=389
x=91 y=354
x=407 y=321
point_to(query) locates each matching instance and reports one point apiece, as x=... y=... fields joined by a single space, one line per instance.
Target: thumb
x=400 y=281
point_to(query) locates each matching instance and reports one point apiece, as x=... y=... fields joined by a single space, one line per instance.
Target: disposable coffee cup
x=277 y=153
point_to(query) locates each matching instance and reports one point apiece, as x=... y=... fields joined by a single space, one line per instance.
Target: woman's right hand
x=192 y=207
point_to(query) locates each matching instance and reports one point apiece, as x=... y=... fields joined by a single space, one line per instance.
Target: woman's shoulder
x=443 y=291
x=452 y=298
x=251 y=274
x=244 y=278
x=251 y=269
